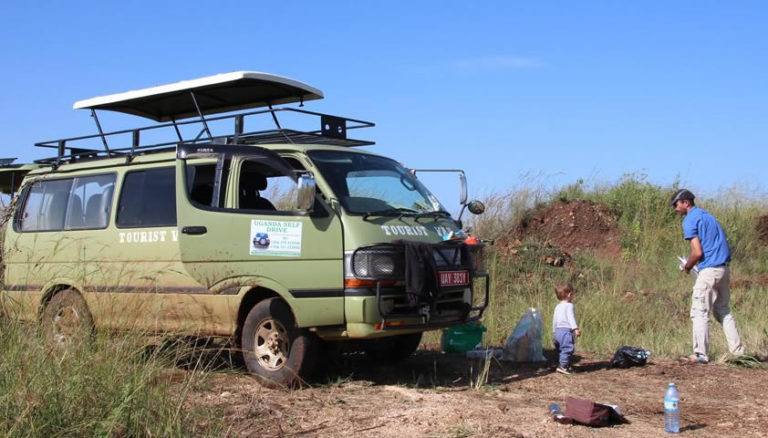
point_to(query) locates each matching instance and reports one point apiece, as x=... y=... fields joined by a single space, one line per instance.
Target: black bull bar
x=427 y=300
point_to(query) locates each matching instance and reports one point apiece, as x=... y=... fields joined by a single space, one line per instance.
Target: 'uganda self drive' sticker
x=275 y=238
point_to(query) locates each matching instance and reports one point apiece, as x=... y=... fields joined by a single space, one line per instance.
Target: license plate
x=454 y=278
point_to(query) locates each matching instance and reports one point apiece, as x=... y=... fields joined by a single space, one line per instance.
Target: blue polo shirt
x=700 y=223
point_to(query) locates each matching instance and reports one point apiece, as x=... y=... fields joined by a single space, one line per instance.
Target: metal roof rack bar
x=82 y=147
x=202 y=117
x=101 y=131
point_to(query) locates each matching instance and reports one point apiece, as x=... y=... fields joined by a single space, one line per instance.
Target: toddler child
x=565 y=327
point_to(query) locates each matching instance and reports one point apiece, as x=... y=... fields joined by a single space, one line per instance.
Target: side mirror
x=462 y=188
x=476 y=207
x=305 y=192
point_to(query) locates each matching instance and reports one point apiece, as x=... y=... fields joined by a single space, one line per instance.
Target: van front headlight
x=375 y=263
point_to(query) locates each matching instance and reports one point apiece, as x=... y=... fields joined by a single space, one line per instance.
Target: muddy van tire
x=67 y=320
x=274 y=349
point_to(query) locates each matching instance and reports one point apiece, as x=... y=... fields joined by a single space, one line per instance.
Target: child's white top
x=564 y=317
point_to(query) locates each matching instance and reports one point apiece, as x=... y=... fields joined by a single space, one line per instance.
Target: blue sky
x=515 y=93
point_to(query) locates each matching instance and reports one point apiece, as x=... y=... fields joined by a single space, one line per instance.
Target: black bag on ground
x=627 y=356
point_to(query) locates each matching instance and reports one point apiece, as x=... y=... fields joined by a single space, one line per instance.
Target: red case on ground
x=590 y=413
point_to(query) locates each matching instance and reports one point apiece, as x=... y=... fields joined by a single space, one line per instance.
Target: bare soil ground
x=434 y=395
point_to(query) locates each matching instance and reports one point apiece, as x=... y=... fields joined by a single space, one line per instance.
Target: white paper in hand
x=683 y=261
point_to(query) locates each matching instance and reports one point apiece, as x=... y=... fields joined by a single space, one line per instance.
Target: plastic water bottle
x=557 y=414
x=671 y=411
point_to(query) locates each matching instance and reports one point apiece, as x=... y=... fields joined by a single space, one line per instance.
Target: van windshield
x=369 y=184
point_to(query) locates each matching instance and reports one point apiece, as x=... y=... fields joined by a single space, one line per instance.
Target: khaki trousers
x=712 y=293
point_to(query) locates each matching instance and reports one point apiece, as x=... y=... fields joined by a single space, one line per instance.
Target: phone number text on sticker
x=454 y=278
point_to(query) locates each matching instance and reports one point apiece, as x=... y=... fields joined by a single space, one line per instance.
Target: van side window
x=200 y=182
x=68 y=204
x=262 y=188
x=90 y=202
x=45 y=206
x=148 y=198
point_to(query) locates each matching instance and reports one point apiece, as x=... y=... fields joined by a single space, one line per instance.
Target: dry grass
x=639 y=299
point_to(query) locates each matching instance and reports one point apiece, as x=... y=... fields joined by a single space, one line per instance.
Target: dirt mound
x=574 y=226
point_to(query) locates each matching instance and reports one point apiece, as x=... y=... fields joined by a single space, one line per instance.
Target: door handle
x=194 y=230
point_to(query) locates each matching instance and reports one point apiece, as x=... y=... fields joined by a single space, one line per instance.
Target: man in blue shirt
x=710 y=251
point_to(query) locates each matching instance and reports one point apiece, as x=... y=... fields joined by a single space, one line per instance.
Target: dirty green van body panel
x=130 y=277
x=308 y=273
x=36 y=263
x=161 y=279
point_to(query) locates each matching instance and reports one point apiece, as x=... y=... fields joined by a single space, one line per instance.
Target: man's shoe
x=566 y=370
x=696 y=358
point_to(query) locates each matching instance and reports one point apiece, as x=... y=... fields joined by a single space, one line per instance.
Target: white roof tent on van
x=193 y=102
x=209 y=95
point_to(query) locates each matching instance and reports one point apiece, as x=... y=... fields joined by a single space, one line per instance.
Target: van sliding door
x=239 y=229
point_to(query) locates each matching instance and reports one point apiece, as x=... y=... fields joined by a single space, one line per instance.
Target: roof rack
x=200 y=97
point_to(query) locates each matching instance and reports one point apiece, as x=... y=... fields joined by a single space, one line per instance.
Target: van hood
x=359 y=232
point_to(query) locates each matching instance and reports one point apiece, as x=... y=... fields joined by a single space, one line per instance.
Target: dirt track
x=432 y=395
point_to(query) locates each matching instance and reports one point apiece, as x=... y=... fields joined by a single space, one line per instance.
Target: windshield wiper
x=399 y=212
x=433 y=214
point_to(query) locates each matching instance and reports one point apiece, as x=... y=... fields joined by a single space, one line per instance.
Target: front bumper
x=383 y=304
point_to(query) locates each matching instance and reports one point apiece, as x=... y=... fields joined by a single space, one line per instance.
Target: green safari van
x=280 y=239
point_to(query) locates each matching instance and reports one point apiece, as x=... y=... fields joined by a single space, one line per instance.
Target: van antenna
x=202 y=118
x=101 y=132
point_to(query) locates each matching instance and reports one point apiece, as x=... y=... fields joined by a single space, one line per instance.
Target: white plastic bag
x=524 y=343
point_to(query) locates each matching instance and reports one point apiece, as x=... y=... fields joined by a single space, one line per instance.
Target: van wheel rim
x=271 y=345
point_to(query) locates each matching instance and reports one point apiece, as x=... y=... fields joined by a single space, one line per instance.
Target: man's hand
x=577 y=332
